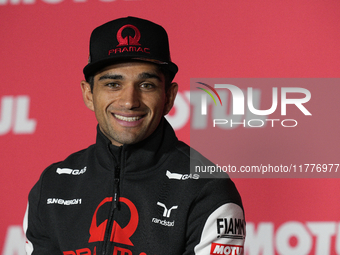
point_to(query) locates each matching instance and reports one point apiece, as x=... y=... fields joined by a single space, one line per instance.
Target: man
x=132 y=192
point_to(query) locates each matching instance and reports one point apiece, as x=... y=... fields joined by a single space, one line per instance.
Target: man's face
x=129 y=100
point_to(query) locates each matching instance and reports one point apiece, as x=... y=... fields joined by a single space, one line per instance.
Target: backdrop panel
x=44 y=46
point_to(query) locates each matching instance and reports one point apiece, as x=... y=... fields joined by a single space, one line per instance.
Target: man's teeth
x=127 y=118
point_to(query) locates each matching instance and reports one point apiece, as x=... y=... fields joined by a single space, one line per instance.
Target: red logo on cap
x=128 y=40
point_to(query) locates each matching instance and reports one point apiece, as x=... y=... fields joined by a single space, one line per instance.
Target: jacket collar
x=142 y=156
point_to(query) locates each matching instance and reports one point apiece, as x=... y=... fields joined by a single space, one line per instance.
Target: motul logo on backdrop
x=14 y=115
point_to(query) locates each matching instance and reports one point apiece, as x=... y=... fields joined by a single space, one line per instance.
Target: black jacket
x=133 y=200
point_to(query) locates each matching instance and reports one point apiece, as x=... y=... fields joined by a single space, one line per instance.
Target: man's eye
x=147 y=86
x=112 y=85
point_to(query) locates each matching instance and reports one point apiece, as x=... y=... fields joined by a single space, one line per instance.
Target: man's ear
x=87 y=94
x=170 y=97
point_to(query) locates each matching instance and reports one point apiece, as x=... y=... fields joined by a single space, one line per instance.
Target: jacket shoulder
x=219 y=184
x=72 y=162
x=191 y=153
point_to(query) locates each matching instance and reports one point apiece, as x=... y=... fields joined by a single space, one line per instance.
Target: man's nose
x=130 y=98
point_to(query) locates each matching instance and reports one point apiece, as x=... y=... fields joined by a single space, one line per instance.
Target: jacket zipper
x=116 y=189
x=114 y=206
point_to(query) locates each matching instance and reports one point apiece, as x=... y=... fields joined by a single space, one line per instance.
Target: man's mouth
x=129 y=119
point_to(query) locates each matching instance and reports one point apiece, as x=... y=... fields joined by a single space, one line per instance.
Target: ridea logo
x=14 y=115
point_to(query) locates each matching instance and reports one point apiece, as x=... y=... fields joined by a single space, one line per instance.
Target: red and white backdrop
x=44 y=46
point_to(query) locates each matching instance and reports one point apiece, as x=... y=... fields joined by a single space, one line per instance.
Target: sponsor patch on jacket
x=183 y=177
x=71 y=171
x=60 y=201
x=224 y=231
x=233 y=228
x=166 y=215
x=226 y=249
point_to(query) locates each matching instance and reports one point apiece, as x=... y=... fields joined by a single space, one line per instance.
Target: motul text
x=15 y=115
x=226 y=249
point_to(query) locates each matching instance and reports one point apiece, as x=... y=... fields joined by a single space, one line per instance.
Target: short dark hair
x=90 y=80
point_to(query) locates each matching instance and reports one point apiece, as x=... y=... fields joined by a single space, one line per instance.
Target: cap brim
x=92 y=68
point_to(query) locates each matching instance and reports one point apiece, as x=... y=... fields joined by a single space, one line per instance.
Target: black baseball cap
x=129 y=38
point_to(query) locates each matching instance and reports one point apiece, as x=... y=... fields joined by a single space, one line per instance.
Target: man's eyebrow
x=146 y=75
x=111 y=77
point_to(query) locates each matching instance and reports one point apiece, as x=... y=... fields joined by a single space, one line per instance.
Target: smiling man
x=129 y=100
x=131 y=193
